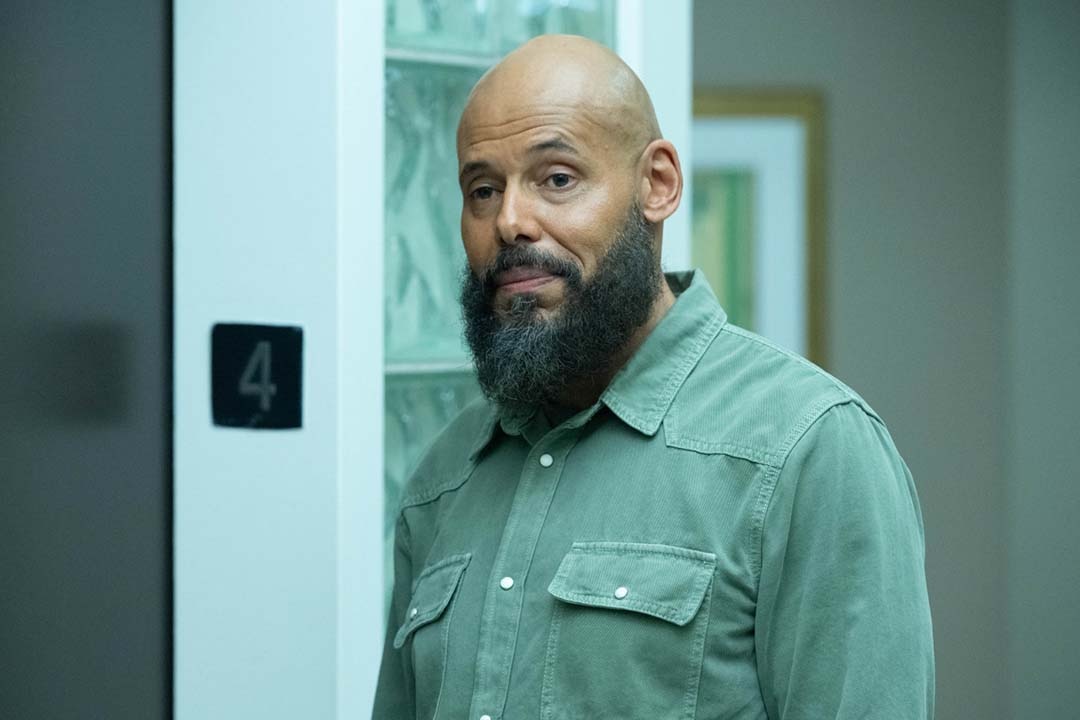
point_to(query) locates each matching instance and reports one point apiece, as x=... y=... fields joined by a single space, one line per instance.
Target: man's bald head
x=563 y=73
x=565 y=185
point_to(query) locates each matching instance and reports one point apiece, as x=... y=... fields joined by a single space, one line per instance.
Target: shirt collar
x=643 y=390
x=641 y=393
x=509 y=422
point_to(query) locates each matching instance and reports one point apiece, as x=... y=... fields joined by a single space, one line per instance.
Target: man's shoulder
x=446 y=461
x=750 y=398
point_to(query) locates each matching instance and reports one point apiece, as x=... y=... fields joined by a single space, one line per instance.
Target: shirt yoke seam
x=430 y=494
x=675 y=439
x=767 y=458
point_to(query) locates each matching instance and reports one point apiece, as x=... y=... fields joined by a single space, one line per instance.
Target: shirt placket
x=505 y=595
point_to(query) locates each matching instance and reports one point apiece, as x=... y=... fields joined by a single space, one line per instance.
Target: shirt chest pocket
x=628 y=631
x=426 y=628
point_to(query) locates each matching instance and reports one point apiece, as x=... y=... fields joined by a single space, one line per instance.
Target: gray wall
x=1044 y=303
x=917 y=243
x=84 y=496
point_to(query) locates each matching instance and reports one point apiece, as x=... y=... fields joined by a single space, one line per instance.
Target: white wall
x=1044 y=386
x=916 y=241
x=655 y=40
x=278 y=219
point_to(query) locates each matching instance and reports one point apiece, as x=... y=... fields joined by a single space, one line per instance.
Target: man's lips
x=523 y=279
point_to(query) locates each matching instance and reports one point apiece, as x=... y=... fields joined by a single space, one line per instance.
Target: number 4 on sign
x=258 y=365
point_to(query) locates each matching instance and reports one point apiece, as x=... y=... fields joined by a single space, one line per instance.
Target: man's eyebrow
x=471 y=168
x=557 y=144
x=552 y=144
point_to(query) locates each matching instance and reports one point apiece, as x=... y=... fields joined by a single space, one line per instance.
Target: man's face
x=563 y=265
x=523 y=358
x=544 y=176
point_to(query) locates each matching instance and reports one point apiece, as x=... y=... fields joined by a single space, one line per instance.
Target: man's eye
x=559 y=180
x=483 y=193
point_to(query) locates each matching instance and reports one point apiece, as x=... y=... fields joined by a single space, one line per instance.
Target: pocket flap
x=431 y=594
x=663 y=581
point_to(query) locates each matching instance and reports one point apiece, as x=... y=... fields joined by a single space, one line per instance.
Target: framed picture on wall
x=758 y=211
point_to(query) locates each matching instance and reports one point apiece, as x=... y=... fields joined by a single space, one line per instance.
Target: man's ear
x=661 y=181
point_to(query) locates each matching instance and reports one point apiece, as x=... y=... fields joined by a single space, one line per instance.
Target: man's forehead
x=483 y=123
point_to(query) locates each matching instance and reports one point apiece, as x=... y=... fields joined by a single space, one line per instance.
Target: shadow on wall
x=70 y=373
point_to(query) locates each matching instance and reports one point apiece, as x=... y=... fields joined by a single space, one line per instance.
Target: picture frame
x=749 y=130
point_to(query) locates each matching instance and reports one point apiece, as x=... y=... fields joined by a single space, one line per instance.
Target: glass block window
x=424 y=255
x=435 y=51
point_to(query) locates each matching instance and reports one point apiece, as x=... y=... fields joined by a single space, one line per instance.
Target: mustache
x=515 y=256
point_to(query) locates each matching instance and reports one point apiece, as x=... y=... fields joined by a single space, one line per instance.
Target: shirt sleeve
x=843 y=622
x=394 y=696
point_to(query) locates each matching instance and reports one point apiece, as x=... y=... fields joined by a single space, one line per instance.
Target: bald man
x=653 y=513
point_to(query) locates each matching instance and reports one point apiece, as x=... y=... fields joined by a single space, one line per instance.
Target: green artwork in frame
x=722 y=243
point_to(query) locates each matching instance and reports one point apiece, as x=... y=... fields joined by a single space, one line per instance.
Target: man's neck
x=583 y=394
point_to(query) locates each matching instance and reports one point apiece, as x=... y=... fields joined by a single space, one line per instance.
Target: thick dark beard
x=522 y=359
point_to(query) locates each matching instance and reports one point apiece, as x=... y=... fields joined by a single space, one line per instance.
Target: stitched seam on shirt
x=769 y=481
x=763 y=457
x=488 y=614
x=412 y=624
x=433 y=493
x=459 y=559
x=621 y=549
x=669 y=613
x=446 y=642
x=816 y=412
x=757 y=521
x=697 y=652
x=547 y=688
x=707 y=447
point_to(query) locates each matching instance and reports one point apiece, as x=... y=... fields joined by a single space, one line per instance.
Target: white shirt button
x=412 y=613
x=621 y=592
x=485 y=717
x=546 y=460
x=506 y=583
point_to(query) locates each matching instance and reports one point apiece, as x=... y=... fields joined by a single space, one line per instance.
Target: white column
x=655 y=39
x=278 y=219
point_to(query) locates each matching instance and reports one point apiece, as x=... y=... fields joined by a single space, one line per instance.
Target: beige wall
x=1044 y=301
x=917 y=173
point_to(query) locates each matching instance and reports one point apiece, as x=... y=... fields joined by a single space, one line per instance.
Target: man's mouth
x=523 y=279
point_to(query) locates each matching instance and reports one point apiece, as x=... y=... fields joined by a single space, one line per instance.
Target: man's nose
x=516 y=222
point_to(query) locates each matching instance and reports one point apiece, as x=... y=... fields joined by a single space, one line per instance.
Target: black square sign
x=255 y=375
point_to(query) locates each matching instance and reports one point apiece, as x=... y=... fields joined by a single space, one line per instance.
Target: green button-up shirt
x=728 y=532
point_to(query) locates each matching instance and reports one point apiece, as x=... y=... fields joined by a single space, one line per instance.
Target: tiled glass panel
x=453 y=26
x=523 y=19
x=485 y=28
x=424 y=256
x=418 y=406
